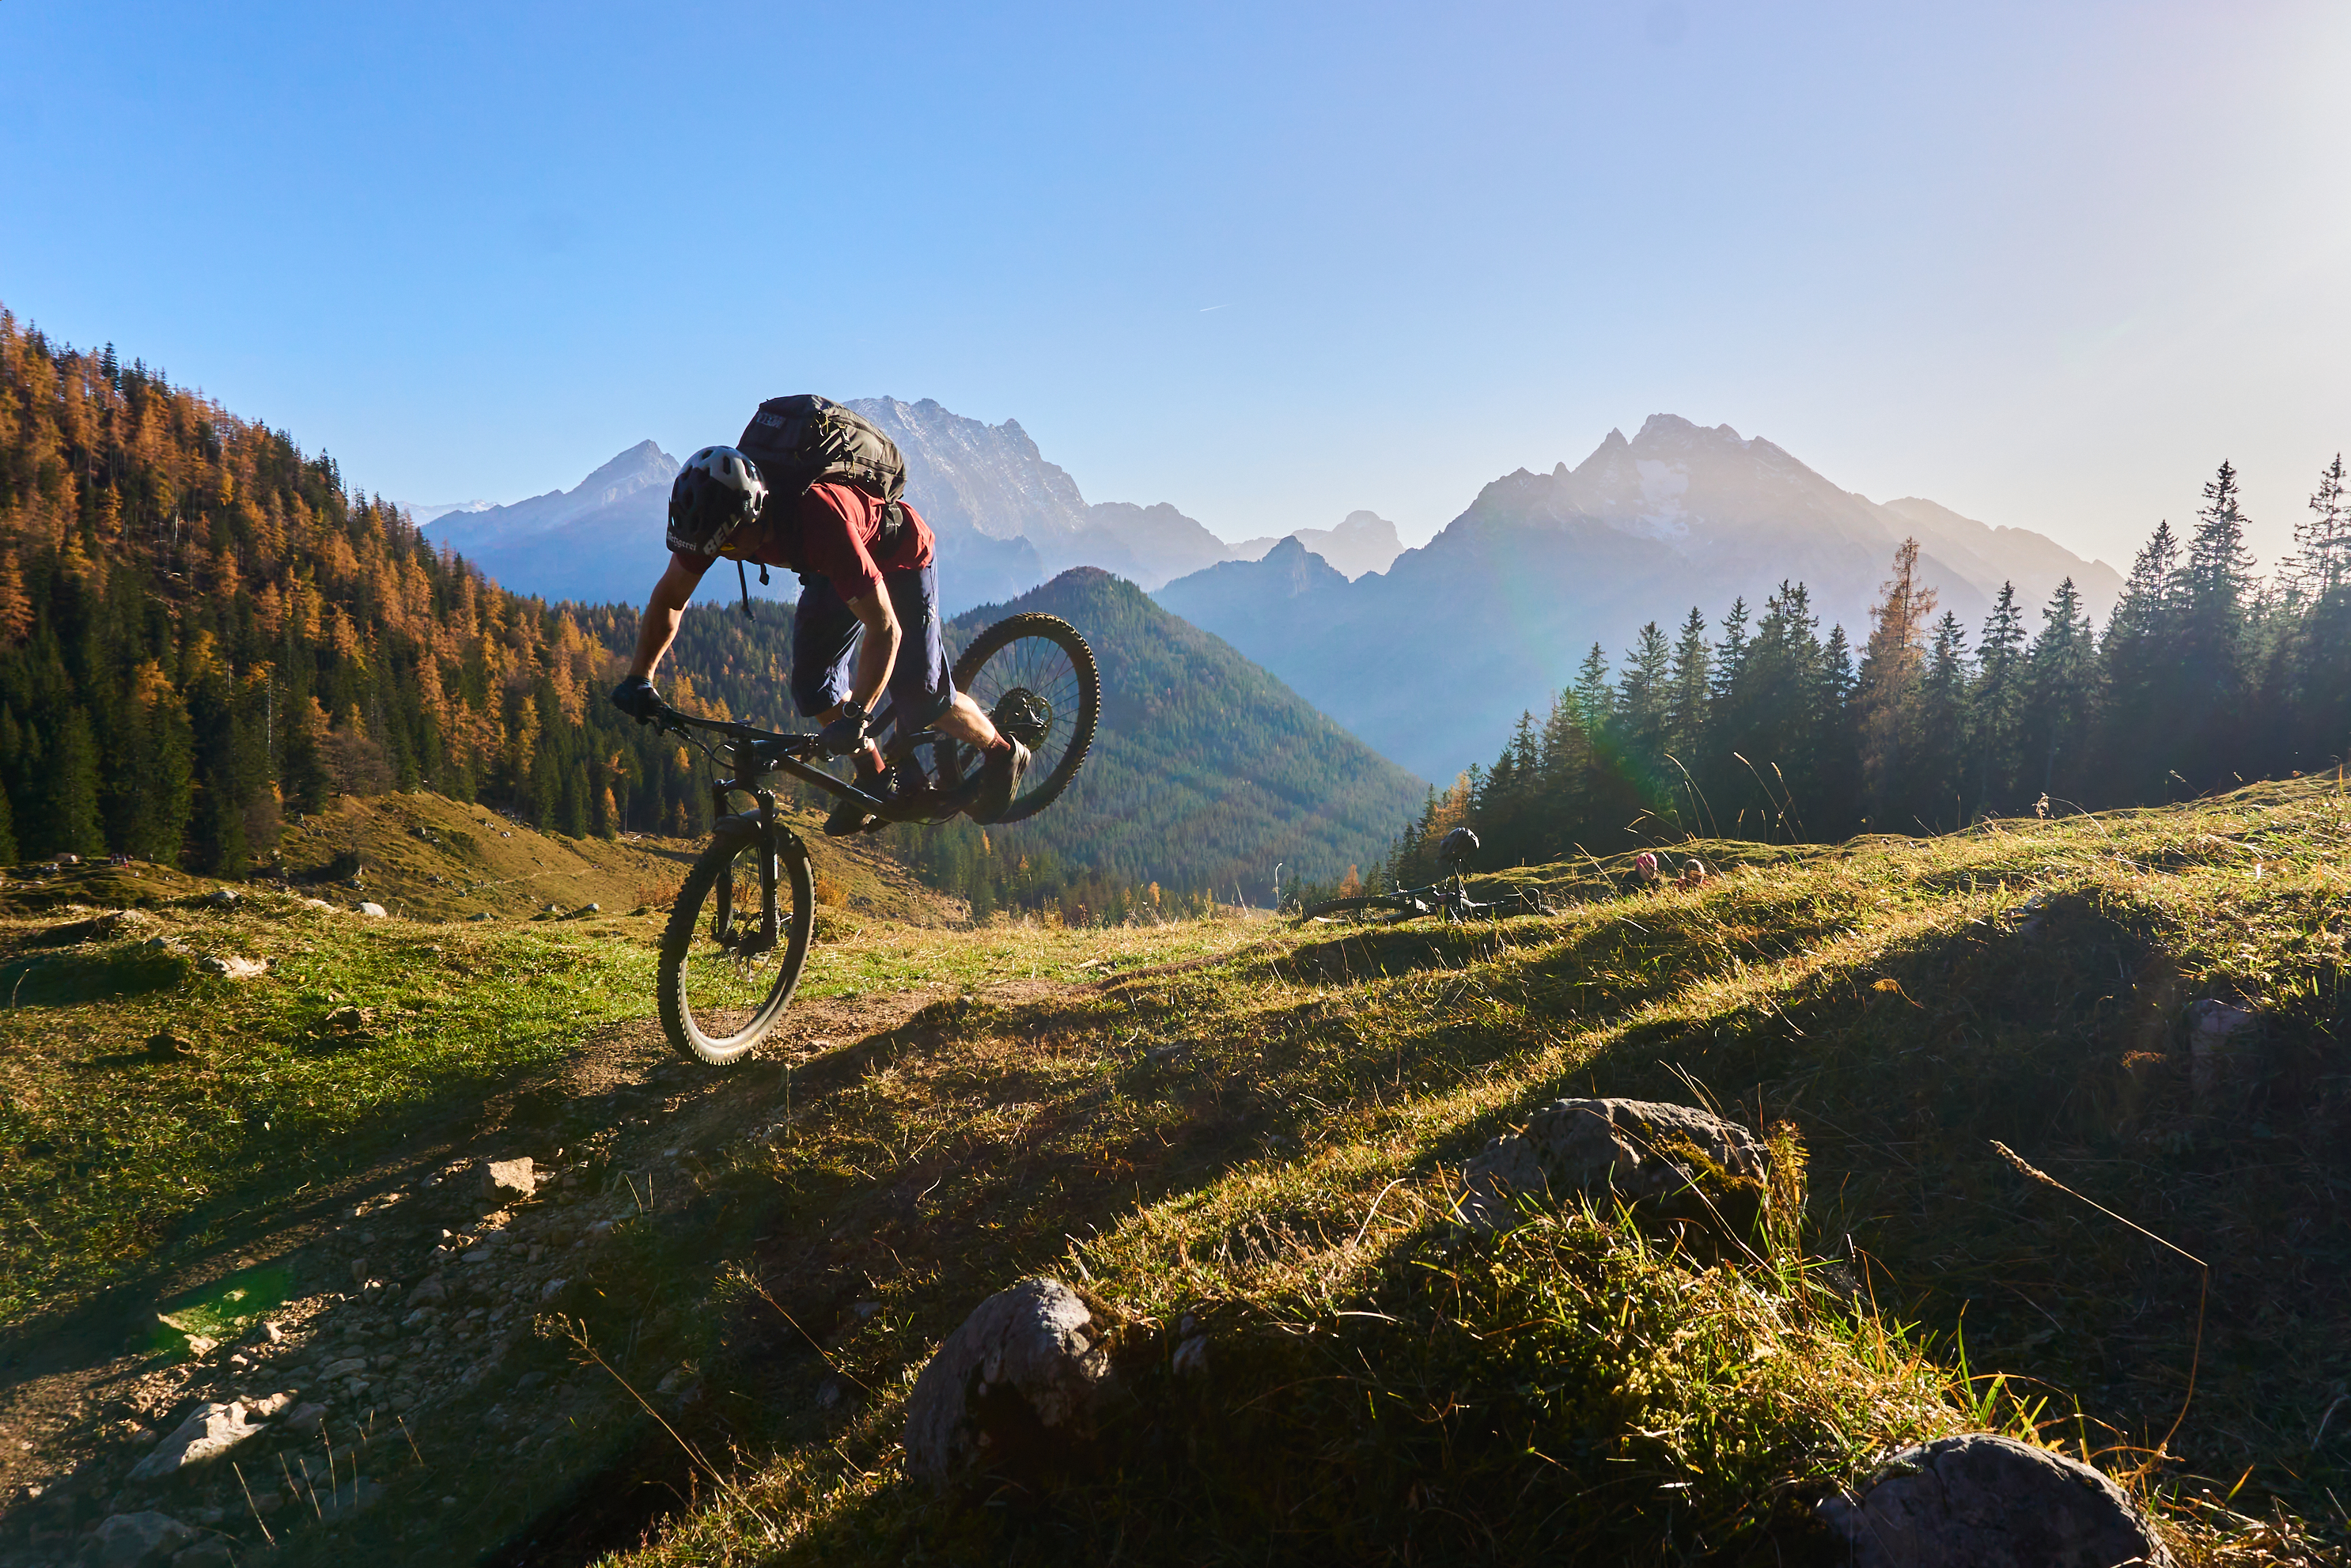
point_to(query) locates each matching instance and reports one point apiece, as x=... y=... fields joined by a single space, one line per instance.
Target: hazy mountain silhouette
x=598 y=542
x=1432 y=661
x=1364 y=541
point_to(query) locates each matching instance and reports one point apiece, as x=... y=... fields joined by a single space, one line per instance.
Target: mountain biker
x=868 y=619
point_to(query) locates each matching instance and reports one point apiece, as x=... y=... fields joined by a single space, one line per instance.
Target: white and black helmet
x=716 y=492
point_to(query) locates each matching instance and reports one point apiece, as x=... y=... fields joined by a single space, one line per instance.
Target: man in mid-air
x=814 y=489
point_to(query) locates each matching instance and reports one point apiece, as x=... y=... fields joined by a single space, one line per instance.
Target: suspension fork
x=757 y=826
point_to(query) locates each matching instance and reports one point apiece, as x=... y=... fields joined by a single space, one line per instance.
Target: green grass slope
x=1258 y=1125
x=1206 y=770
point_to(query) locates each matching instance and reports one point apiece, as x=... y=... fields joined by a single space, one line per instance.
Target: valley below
x=454 y=1260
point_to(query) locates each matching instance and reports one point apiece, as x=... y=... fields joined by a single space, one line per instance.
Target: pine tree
x=2140 y=655
x=2061 y=679
x=1939 y=749
x=2320 y=689
x=1997 y=704
x=1643 y=697
x=1687 y=690
x=7 y=830
x=69 y=822
x=2217 y=578
x=1889 y=688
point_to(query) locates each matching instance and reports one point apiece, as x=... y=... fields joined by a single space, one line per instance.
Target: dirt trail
x=373 y=1325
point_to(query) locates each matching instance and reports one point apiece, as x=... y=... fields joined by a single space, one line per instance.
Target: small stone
x=165 y=1046
x=343 y=1368
x=481 y=914
x=358 y=1270
x=273 y=1334
x=210 y=1431
x=224 y=898
x=1984 y=1501
x=1191 y=1357
x=369 y=907
x=138 y=1540
x=305 y=1420
x=1022 y=1375
x=230 y=967
x=553 y=1289
x=508 y=1181
x=678 y=1378
x=209 y=1554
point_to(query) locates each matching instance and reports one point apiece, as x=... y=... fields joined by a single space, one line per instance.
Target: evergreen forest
x=2206 y=675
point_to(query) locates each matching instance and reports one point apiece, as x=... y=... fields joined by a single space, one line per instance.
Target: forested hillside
x=2206 y=675
x=201 y=628
x=1207 y=772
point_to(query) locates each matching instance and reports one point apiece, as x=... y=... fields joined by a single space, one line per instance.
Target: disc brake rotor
x=1024 y=715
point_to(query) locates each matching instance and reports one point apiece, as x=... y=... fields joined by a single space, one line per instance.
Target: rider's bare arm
x=877 y=650
x=658 y=628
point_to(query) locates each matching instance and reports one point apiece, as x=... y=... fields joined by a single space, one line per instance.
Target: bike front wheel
x=1035 y=678
x=722 y=986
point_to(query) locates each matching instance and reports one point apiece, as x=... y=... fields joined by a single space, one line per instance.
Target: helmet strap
x=746 y=587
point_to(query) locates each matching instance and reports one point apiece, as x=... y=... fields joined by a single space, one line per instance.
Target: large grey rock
x=210 y=1431
x=1638 y=1150
x=137 y=1539
x=1982 y=1501
x=1023 y=1377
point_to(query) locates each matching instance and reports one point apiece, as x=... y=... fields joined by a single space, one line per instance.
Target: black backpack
x=799 y=441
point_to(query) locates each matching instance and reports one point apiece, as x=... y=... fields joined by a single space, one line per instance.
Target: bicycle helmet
x=715 y=493
x=1457 y=847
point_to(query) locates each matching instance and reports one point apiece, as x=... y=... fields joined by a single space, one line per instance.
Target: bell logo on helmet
x=716 y=492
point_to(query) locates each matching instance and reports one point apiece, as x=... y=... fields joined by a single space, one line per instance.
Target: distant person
x=814 y=489
x=1644 y=876
x=1694 y=873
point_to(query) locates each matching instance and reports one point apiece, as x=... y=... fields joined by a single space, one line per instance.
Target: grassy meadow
x=1256 y=1125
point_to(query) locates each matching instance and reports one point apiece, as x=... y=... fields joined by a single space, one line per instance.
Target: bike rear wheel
x=720 y=990
x=1035 y=678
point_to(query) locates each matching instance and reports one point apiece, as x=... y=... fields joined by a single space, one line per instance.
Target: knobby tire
x=1007 y=658
x=695 y=971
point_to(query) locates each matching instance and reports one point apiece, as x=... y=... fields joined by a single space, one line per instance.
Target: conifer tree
x=1938 y=783
x=2217 y=579
x=1887 y=691
x=1998 y=703
x=2060 y=697
x=2140 y=655
x=1687 y=689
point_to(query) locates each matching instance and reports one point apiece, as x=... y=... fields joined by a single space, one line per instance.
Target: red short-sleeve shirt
x=833 y=528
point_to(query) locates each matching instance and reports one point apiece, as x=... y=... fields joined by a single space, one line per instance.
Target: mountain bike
x=1448 y=896
x=738 y=936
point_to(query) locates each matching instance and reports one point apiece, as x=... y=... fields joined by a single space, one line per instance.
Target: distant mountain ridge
x=598 y=542
x=1431 y=661
x=1007 y=520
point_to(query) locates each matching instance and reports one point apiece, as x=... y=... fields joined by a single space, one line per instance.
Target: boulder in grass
x=1984 y=1501
x=1012 y=1391
x=1672 y=1164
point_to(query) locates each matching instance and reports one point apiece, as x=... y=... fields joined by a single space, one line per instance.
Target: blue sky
x=2046 y=264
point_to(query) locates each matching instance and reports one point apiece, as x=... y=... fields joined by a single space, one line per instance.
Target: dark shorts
x=824 y=648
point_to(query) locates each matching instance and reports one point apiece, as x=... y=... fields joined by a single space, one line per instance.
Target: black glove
x=845 y=734
x=636 y=697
